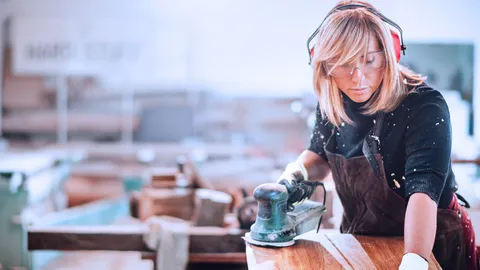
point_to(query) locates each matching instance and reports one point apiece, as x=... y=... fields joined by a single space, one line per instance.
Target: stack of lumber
x=203 y=207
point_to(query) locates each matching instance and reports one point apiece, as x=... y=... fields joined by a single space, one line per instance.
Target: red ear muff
x=312 y=52
x=396 y=45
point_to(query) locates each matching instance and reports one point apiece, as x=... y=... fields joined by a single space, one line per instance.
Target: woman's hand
x=308 y=166
x=294 y=174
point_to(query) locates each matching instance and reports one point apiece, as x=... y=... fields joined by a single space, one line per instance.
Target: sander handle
x=324 y=201
x=314 y=185
x=302 y=190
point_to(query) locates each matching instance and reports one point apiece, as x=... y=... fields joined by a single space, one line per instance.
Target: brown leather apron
x=371 y=207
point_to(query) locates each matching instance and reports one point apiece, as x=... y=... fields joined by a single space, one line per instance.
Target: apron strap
x=463 y=200
x=377 y=130
x=370 y=152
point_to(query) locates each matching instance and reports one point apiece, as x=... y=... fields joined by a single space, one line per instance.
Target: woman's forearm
x=317 y=168
x=420 y=225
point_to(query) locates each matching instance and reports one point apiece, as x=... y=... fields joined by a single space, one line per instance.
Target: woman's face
x=361 y=79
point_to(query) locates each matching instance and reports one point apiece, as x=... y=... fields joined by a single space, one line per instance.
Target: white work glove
x=295 y=171
x=412 y=261
x=294 y=174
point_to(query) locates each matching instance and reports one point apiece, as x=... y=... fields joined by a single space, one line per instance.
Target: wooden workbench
x=208 y=246
x=331 y=250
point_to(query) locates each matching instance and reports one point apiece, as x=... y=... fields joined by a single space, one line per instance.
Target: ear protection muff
x=397 y=34
x=397 y=45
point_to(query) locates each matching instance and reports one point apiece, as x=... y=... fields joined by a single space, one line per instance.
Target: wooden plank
x=81 y=190
x=99 y=212
x=232 y=257
x=394 y=245
x=327 y=244
x=352 y=250
x=104 y=260
x=305 y=254
x=466 y=161
x=175 y=202
x=327 y=250
x=128 y=238
x=210 y=207
x=99 y=237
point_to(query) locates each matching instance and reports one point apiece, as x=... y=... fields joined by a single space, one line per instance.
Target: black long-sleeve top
x=415 y=139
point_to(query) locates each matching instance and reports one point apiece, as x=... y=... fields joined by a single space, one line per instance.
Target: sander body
x=277 y=223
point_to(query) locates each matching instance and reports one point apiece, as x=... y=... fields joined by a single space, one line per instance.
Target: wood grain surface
x=331 y=250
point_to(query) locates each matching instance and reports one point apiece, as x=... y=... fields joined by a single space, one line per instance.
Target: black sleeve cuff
x=427 y=183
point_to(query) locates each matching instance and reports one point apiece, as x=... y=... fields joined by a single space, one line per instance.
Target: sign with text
x=99 y=47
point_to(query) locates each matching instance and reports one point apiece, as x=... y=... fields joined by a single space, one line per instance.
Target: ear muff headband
x=397 y=37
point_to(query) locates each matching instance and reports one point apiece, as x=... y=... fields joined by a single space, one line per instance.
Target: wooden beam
x=466 y=161
x=237 y=257
x=128 y=238
x=234 y=257
x=101 y=237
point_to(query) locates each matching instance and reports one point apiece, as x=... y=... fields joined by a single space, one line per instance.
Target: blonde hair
x=345 y=34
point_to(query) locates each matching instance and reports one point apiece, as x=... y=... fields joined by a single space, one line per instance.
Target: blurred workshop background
x=107 y=103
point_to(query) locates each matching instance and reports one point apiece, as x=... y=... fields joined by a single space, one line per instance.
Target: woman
x=385 y=136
